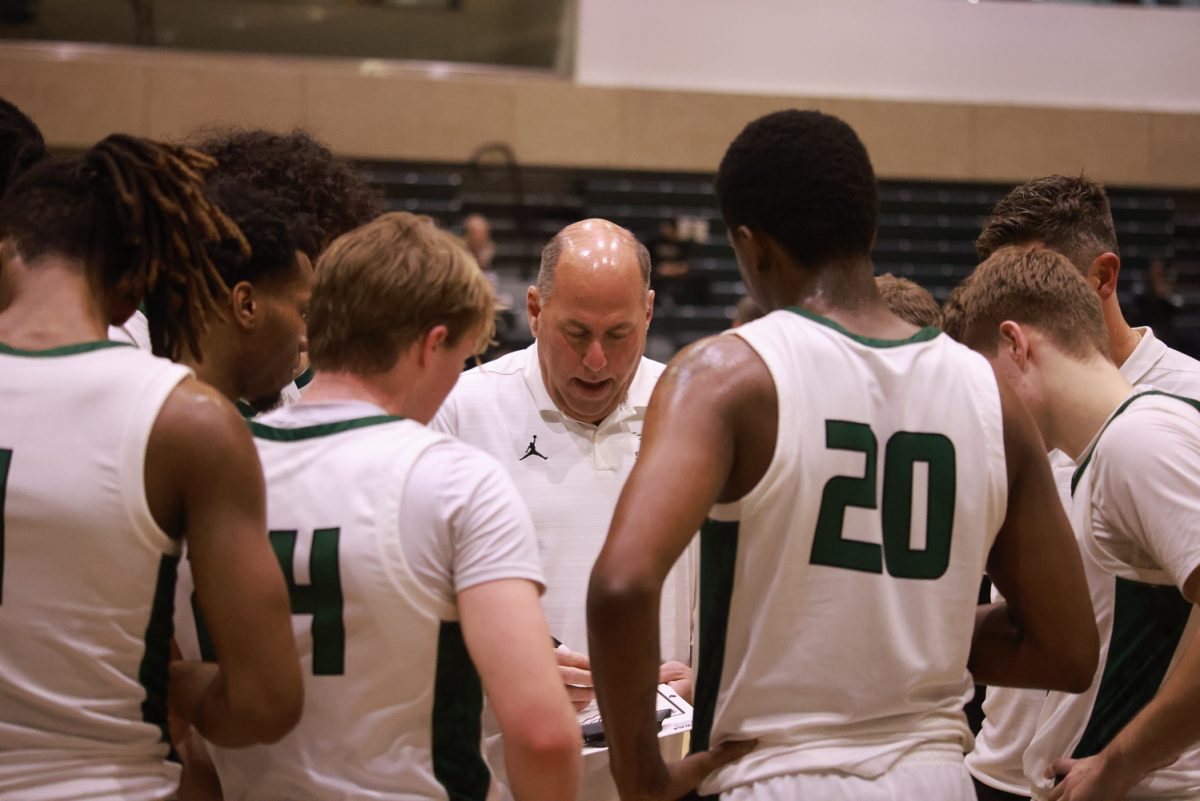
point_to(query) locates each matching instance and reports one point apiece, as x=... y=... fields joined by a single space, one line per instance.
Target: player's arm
x=469 y=539
x=508 y=640
x=204 y=479
x=1044 y=635
x=1152 y=484
x=688 y=449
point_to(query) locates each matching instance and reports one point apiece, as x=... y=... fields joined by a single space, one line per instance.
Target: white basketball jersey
x=838 y=596
x=86 y=576
x=392 y=701
x=1145 y=622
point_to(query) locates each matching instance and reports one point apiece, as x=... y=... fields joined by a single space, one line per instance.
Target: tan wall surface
x=378 y=109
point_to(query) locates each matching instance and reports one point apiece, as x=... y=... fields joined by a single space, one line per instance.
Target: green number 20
x=901 y=453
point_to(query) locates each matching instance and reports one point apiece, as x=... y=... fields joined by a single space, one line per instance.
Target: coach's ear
x=1102 y=274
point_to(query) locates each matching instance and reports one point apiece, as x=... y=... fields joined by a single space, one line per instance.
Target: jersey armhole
x=135 y=438
x=785 y=431
x=389 y=542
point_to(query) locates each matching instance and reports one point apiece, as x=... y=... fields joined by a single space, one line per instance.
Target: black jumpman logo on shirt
x=532 y=450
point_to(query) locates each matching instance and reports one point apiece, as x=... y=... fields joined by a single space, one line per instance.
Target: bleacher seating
x=926 y=230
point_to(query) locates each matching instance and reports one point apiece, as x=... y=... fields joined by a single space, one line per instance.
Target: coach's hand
x=679 y=676
x=576 y=672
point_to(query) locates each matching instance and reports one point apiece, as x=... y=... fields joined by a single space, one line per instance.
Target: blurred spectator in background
x=908 y=300
x=1158 y=304
x=477 y=233
x=745 y=311
x=674 y=283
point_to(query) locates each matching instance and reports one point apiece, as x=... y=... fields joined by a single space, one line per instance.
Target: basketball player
x=252 y=349
x=282 y=189
x=109 y=458
x=908 y=300
x=1070 y=215
x=410 y=557
x=1135 y=507
x=858 y=474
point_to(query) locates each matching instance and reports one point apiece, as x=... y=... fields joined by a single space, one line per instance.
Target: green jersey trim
x=924 y=335
x=718 y=558
x=1148 y=622
x=321 y=430
x=305 y=378
x=1078 y=474
x=64 y=350
x=152 y=672
x=456 y=728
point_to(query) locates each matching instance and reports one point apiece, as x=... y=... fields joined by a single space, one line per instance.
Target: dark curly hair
x=135 y=214
x=326 y=190
x=270 y=222
x=21 y=144
x=1068 y=214
x=805 y=179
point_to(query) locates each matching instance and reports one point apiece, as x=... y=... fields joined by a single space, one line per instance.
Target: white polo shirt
x=570 y=478
x=1011 y=715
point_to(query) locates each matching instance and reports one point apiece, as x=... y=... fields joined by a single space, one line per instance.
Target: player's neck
x=845 y=292
x=1081 y=398
x=52 y=305
x=381 y=390
x=219 y=367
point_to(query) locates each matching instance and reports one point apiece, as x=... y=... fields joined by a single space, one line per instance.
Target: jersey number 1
x=5 y=461
x=903 y=450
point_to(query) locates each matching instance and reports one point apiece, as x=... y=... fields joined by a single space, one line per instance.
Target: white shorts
x=927 y=774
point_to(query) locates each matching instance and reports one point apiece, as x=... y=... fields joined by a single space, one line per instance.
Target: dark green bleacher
x=926 y=230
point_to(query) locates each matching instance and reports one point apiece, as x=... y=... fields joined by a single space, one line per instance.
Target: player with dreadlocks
x=109 y=458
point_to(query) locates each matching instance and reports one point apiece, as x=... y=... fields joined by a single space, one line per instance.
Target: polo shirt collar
x=532 y=372
x=1147 y=353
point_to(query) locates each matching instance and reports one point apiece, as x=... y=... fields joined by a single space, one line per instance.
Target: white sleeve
x=1146 y=494
x=464 y=523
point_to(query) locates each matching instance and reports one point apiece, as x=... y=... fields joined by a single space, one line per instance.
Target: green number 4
x=5 y=461
x=321 y=598
x=901 y=453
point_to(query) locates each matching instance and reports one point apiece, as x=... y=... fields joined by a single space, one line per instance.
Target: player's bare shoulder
x=720 y=370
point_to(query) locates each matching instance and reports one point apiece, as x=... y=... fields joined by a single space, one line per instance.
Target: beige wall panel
x=1015 y=144
x=557 y=123
x=75 y=101
x=910 y=140
x=192 y=94
x=685 y=130
x=1175 y=150
x=386 y=117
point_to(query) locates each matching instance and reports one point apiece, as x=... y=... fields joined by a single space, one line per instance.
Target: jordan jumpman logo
x=532 y=450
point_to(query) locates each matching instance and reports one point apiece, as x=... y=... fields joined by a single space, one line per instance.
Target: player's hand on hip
x=686 y=774
x=1092 y=779
x=679 y=676
x=576 y=672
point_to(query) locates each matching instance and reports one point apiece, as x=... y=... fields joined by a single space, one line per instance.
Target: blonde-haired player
x=410 y=557
x=1135 y=507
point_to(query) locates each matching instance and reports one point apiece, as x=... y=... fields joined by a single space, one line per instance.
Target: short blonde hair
x=1032 y=286
x=908 y=300
x=382 y=286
